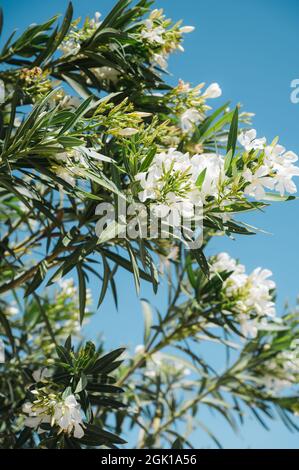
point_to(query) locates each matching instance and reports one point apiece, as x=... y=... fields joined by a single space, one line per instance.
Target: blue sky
x=251 y=49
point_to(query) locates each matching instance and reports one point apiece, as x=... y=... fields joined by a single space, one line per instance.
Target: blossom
x=213 y=165
x=283 y=179
x=95 y=22
x=189 y=118
x=160 y=60
x=67 y=415
x=213 y=91
x=276 y=161
x=56 y=411
x=10 y=310
x=67 y=287
x=257 y=182
x=276 y=154
x=249 y=141
x=69 y=47
x=251 y=294
x=153 y=34
x=171 y=182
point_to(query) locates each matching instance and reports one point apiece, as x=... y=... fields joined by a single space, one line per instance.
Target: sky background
x=250 y=48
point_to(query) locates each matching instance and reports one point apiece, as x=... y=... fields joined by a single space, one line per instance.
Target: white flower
x=283 y=179
x=149 y=184
x=249 y=141
x=281 y=164
x=36 y=415
x=171 y=181
x=95 y=22
x=69 y=47
x=213 y=91
x=188 y=119
x=67 y=415
x=139 y=349
x=224 y=262
x=249 y=326
x=257 y=182
x=251 y=293
x=67 y=286
x=64 y=413
x=11 y=310
x=152 y=34
x=259 y=297
x=160 y=60
x=214 y=166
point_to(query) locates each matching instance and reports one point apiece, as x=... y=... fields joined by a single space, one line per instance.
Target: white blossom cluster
x=56 y=411
x=251 y=294
x=275 y=172
x=172 y=180
x=161 y=38
x=192 y=116
x=182 y=181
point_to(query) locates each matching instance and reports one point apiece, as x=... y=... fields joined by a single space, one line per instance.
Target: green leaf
x=106 y=278
x=69 y=141
x=77 y=115
x=82 y=383
x=233 y=132
x=23 y=438
x=277 y=197
x=82 y=291
x=114 y=14
x=101 y=364
x=37 y=279
x=202 y=261
x=64 y=355
x=200 y=179
x=228 y=162
x=6 y=326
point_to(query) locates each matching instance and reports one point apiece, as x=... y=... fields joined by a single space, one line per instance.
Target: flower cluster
x=188 y=103
x=35 y=82
x=162 y=37
x=269 y=166
x=182 y=181
x=283 y=371
x=53 y=409
x=249 y=296
x=72 y=42
x=173 y=180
